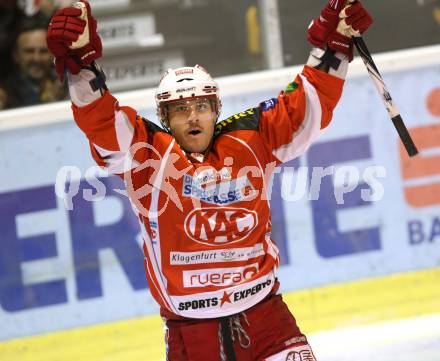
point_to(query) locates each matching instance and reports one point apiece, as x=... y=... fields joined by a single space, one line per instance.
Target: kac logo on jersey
x=218 y=226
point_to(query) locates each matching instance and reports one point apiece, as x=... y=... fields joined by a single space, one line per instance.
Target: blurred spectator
x=33 y=80
x=10 y=17
x=3 y=98
x=47 y=7
x=436 y=12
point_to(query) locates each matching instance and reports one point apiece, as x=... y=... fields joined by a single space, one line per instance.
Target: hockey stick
x=378 y=81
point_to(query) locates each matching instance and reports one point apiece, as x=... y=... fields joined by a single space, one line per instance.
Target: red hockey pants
x=267 y=331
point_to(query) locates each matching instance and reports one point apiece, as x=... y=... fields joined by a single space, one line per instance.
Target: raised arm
x=111 y=129
x=293 y=120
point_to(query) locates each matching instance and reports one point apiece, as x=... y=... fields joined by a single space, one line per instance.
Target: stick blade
x=404 y=135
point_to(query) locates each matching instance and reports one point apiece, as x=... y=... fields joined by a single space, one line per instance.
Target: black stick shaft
x=378 y=81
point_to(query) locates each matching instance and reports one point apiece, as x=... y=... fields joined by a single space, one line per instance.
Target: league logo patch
x=291 y=87
x=268 y=104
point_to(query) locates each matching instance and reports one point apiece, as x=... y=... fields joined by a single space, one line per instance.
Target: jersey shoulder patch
x=247 y=120
x=268 y=104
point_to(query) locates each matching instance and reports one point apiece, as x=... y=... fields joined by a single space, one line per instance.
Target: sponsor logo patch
x=184 y=71
x=224 y=123
x=181 y=90
x=220 y=255
x=227 y=297
x=209 y=175
x=218 y=226
x=219 y=276
x=241 y=295
x=220 y=193
x=198 y=304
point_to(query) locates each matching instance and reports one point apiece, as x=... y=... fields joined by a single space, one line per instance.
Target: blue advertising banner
x=353 y=206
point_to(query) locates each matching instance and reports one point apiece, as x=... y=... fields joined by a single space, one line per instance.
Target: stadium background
x=72 y=282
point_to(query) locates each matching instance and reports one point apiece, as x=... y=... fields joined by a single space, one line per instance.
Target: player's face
x=31 y=54
x=192 y=123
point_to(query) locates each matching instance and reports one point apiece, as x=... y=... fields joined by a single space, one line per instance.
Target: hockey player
x=198 y=185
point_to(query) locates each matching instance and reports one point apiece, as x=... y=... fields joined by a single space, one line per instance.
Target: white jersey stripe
x=124 y=130
x=154 y=282
x=259 y=165
x=81 y=93
x=309 y=130
x=115 y=160
x=153 y=248
x=272 y=249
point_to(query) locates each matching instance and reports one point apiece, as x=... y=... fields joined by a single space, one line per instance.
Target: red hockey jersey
x=206 y=218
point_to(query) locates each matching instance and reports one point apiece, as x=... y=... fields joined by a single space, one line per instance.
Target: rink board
x=342 y=306
x=63 y=269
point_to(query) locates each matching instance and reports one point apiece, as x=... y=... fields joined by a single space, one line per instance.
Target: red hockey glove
x=325 y=24
x=337 y=24
x=73 y=39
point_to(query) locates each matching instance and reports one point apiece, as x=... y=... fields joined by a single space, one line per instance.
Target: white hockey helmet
x=185 y=83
